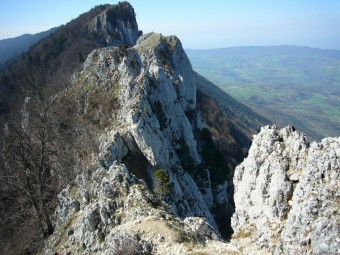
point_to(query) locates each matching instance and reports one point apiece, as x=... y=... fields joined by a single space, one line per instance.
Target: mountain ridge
x=69 y=45
x=12 y=48
x=89 y=108
x=157 y=91
x=135 y=156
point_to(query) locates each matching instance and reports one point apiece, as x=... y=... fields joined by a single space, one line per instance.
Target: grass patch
x=74 y=192
x=244 y=233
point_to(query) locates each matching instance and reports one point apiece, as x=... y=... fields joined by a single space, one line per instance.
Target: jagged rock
x=200 y=227
x=154 y=88
x=116 y=25
x=129 y=218
x=286 y=193
x=157 y=88
x=278 y=188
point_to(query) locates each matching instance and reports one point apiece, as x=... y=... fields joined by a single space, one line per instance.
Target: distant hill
x=288 y=84
x=11 y=49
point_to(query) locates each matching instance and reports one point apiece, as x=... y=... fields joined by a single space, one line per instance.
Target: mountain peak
x=115 y=25
x=143 y=165
x=152 y=40
x=63 y=52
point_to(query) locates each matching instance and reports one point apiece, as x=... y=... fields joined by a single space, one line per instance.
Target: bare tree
x=44 y=146
x=29 y=153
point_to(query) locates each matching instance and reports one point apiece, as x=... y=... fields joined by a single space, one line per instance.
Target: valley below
x=287 y=84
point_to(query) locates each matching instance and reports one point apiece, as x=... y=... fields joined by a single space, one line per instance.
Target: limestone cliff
x=150 y=177
x=140 y=104
x=115 y=25
x=287 y=194
x=151 y=123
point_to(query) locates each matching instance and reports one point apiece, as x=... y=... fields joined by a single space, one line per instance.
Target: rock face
x=115 y=25
x=156 y=184
x=111 y=211
x=141 y=103
x=287 y=194
x=152 y=126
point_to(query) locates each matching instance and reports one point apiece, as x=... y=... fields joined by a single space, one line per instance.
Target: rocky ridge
x=287 y=194
x=286 y=190
x=141 y=108
x=115 y=25
x=154 y=124
x=146 y=107
x=53 y=60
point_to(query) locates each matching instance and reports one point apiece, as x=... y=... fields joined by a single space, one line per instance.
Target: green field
x=288 y=84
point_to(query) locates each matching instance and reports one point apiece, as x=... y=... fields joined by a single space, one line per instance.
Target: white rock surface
x=286 y=190
x=287 y=193
x=121 y=212
x=156 y=88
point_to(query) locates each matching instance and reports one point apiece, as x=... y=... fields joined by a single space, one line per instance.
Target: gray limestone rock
x=154 y=88
x=286 y=190
x=116 y=25
x=287 y=193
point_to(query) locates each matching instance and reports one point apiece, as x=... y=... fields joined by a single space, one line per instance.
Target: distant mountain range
x=287 y=84
x=11 y=49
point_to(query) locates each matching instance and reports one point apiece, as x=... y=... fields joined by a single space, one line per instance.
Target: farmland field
x=287 y=84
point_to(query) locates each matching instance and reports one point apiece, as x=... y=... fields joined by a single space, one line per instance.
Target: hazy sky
x=198 y=24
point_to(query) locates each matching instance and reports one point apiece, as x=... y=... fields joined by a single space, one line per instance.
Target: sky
x=198 y=24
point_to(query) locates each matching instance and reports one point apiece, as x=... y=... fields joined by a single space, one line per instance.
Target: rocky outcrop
x=137 y=110
x=111 y=210
x=116 y=25
x=287 y=194
x=151 y=124
x=140 y=104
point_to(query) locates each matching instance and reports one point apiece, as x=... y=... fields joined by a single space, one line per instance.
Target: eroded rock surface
x=287 y=193
x=149 y=124
x=141 y=102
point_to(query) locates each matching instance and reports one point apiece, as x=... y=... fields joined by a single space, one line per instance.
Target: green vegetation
x=287 y=84
x=162 y=183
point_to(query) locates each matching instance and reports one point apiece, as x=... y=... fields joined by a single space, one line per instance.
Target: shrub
x=124 y=244
x=162 y=183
